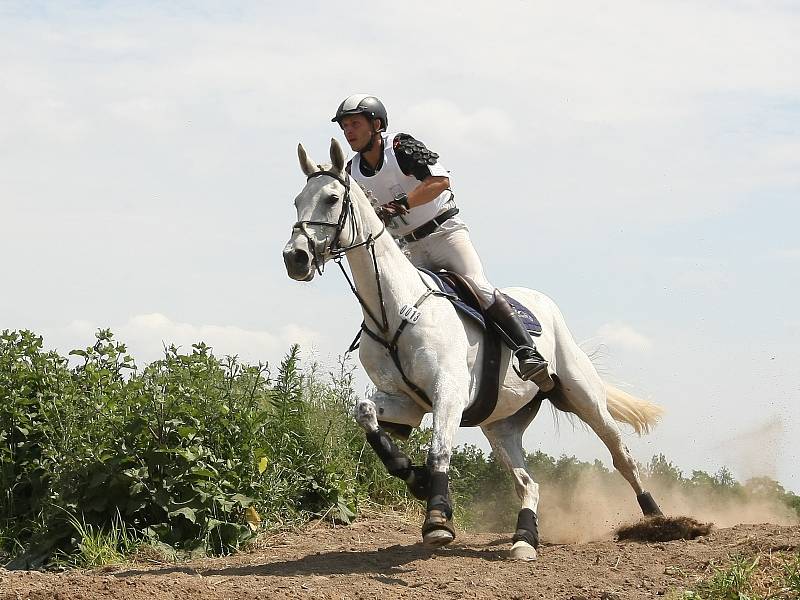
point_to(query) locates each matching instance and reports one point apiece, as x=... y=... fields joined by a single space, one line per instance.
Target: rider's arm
x=415 y=159
x=428 y=189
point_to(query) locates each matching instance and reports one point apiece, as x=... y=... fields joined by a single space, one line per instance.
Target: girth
x=392 y=346
x=486 y=397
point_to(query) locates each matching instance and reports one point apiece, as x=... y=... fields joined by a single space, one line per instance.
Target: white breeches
x=450 y=247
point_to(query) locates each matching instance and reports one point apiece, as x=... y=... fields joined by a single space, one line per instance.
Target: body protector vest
x=391 y=183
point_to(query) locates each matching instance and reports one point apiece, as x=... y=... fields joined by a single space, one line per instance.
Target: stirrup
x=537 y=372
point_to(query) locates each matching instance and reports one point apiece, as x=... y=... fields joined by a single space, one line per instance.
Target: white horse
x=438 y=354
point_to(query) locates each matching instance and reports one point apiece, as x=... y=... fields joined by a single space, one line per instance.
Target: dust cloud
x=593 y=509
x=754 y=452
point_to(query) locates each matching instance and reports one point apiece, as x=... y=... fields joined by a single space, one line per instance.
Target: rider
x=416 y=202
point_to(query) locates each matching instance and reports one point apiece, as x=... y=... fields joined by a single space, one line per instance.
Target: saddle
x=461 y=293
x=459 y=290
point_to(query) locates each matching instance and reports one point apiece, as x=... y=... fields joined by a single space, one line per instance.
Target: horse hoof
x=437 y=537
x=522 y=551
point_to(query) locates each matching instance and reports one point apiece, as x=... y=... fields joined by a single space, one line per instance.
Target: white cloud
x=145 y=336
x=622 y=335
x=785 y=254
x=444 y=119
x=146 y=111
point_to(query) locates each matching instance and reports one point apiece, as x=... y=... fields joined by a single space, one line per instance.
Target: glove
x=386 y=212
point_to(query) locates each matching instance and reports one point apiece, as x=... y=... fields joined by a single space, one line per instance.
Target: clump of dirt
x=592 y=508
x=663 y=529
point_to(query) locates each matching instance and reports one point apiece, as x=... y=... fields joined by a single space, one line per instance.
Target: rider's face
x=357 y=131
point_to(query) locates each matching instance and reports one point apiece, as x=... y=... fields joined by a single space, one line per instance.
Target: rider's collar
x=364 y=166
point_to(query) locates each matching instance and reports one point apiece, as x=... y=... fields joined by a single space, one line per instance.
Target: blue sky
x=637 y=161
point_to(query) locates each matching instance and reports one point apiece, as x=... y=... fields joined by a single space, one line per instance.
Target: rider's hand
x=388 y=211
x=397 y=207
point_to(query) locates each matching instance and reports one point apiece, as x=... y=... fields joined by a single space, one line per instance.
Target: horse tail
x=625 y=408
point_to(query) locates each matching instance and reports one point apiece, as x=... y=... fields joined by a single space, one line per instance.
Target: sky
x=639 y=162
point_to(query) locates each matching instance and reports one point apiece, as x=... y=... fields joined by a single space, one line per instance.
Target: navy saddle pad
x=464 y=301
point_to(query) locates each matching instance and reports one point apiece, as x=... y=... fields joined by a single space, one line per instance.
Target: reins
x=338 y=252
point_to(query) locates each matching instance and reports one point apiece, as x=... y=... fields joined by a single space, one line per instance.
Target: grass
x=736 y=580
x=792 y=575
x=100 y=547
x=765 y=576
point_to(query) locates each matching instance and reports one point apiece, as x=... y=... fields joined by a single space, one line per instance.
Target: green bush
x=181 y=450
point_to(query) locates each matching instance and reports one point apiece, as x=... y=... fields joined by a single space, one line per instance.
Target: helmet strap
x=368 y=146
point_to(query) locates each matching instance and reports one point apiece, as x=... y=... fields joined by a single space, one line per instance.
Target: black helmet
x=362 y=104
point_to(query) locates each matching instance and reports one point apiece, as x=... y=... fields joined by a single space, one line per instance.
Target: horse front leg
x=395 y=460
x=451 y=397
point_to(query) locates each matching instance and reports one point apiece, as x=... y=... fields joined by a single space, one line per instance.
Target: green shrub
x=179 y=451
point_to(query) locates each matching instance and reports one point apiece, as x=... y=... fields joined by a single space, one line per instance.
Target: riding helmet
x=362 y=104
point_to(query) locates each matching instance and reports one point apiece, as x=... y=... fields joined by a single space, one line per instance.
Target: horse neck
x=399 y=280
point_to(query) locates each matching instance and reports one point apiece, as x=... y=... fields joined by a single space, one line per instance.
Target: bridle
x=337 y=252
x=335 y=249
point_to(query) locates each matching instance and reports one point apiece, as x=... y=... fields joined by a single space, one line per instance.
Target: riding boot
x=532 y=365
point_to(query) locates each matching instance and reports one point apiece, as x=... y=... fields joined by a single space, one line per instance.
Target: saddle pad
x=466 y=303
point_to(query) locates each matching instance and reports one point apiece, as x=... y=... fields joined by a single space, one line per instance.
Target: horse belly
x=513 y=392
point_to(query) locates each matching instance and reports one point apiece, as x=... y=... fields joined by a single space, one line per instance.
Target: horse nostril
x=300 y=257
x=296 y=259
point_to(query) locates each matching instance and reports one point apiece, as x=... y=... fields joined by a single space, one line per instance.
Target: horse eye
x=333 y=198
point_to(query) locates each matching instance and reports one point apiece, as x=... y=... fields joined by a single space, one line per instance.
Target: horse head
x=324 y=212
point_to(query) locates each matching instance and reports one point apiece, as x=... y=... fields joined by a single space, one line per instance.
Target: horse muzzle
x=299 y=265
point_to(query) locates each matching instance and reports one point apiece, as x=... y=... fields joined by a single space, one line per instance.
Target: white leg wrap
x=366 y=415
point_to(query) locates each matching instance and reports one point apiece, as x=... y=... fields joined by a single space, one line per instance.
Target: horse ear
x=306 y=164
x=337 y=156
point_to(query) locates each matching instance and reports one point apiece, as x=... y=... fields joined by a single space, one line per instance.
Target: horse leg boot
x=532 y=365
x=438 y=530
x=399 y=465
x=505 y=437
x=396 y=463
x=649 y=506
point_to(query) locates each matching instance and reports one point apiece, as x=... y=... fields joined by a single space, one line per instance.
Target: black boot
x=532 y=366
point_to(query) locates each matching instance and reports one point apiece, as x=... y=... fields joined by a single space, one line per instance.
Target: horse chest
x=417 y=361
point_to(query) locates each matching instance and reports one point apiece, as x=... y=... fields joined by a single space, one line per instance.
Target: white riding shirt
x=390 y=183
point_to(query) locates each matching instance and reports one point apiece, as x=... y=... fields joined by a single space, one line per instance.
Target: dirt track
x=382 y=559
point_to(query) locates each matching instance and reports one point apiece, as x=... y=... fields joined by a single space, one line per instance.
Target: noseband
x=334 y=248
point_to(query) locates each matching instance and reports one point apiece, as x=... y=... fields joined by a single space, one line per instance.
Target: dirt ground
x=382 y=558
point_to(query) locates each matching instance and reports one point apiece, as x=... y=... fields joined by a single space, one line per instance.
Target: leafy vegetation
x=192 y=451
x=760 y=577
x=194 y=454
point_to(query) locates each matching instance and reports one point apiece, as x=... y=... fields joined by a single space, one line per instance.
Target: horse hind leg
x=505 y=438
x=585 y=396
